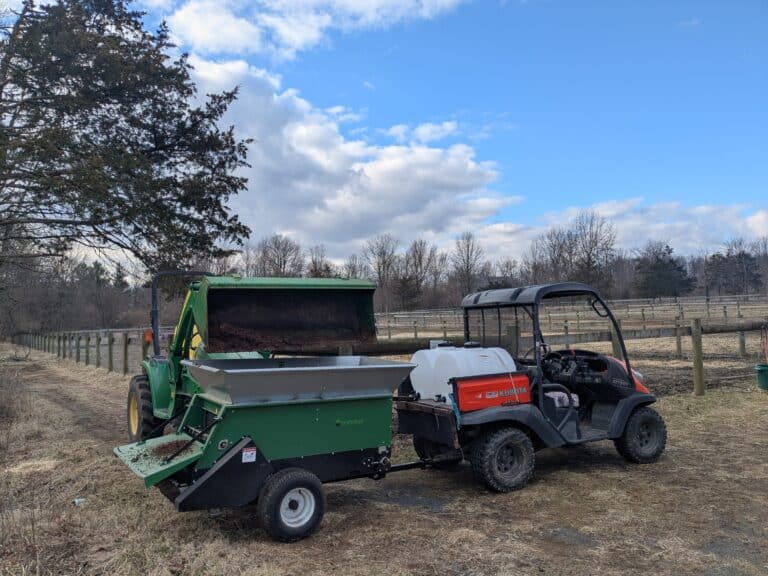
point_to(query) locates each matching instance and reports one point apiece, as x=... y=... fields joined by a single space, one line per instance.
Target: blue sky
x=429 y=117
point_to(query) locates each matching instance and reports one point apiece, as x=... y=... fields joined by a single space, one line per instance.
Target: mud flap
x=235 y=480
x=149 y=459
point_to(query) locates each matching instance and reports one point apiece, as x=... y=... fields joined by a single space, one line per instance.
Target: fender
x=526 y=414
x=624 y=409
x=158 y=373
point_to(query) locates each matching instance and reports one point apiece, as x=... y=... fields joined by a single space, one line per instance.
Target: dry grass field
x=703 y=509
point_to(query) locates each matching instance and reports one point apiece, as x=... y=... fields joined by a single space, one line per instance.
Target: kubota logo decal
x=504 y=393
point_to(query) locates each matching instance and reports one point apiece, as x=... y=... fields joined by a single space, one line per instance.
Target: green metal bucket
x=762 y=376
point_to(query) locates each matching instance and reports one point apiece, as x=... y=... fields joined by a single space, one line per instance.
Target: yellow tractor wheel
x=141 y=422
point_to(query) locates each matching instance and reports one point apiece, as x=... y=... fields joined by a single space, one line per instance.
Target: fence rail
x=122 y=350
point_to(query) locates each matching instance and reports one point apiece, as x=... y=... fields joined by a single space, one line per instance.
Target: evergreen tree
x=100 y=144
x=118 y=278
x=658 y=273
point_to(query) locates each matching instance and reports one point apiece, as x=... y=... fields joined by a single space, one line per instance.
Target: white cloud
x=213 y=27
x=430 y=132
x=311 y=181
x=225 y=75
x=369 y=85
x=422 y=133
x=342 y=114
x=286 y=27
x=399 y=132
x=701 y=228
x=757 y=223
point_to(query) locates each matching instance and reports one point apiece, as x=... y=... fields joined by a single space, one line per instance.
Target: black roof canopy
x=526 y=295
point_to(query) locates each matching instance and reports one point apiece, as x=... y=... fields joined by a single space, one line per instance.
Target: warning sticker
x=249 y=454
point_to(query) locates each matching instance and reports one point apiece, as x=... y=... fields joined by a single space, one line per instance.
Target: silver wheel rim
x=297 y=507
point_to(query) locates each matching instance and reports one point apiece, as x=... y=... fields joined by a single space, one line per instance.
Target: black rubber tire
x=427 y=449
x=139 y=389
x=503 y=459
x=271 y=497
x=644 y=437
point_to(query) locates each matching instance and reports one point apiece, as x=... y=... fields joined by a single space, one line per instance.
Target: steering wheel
x=544 y=348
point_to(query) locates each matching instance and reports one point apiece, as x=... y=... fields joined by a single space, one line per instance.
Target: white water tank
x=436 y=366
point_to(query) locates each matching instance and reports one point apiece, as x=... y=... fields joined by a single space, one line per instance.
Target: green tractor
x=232 y=318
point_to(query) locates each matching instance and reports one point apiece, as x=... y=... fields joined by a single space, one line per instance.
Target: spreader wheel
x=644 y=438
x=141 y=421
x=503 y=459
x=291 y=504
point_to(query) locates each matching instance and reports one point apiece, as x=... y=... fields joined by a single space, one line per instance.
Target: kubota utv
x=482 y=404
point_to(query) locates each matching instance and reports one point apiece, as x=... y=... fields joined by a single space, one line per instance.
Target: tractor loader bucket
x=155 y=459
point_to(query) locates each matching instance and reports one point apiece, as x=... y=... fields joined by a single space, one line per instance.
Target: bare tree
x=412 y=271
x=595 y=239
x=467 y=261
x=319 y=265
x=278 y=255
x=380 y=254
x=760 y=249
x=355 y=267
x=251 y=262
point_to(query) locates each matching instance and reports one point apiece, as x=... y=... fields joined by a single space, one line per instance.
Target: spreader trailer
x=245 y=422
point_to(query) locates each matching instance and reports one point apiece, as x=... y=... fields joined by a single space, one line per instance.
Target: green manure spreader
x=248 y=415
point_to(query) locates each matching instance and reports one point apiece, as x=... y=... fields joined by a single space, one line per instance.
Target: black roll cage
x=532 y=309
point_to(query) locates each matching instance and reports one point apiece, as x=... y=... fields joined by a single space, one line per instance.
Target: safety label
x=249 y=454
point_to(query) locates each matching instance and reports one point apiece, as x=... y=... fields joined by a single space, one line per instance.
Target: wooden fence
x=122 y=350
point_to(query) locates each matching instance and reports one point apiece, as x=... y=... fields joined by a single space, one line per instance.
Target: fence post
x=445 y=329
x=615 y=344
x=126 y=340
x=678 y=338
x=77 y=349
x=98 y=349
x=389 y=329
x=88 y=349
x=742 y=344
x=698 y=360
x=110 y=352
x=642 y=313
x=58 y=345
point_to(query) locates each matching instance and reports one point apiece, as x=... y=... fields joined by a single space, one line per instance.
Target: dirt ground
x=67 y=506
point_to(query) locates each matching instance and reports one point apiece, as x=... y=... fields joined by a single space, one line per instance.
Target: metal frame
x=530 y=303
x=154 y=315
